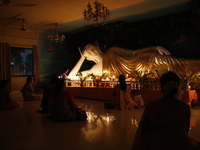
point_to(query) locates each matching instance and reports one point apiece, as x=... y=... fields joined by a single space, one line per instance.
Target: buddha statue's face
x=91 y=52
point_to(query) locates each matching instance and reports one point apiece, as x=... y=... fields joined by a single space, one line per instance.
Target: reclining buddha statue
x=124 y=61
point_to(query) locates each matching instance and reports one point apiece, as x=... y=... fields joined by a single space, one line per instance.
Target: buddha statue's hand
x=81 y=52
x=79 y=74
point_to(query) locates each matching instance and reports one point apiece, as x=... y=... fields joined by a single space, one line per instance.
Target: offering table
x=105 y=94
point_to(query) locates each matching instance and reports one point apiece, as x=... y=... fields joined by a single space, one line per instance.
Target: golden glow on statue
x=117 y=61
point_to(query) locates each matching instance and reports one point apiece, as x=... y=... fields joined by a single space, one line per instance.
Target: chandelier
x=100 y=13
x=57 y=38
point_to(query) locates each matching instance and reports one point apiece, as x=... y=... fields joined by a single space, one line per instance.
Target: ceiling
x=69 y=13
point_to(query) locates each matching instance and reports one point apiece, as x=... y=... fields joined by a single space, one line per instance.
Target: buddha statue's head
x=91 y=52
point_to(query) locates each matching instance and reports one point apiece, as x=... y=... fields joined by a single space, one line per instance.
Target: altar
x=147 y=94
x=143 y=75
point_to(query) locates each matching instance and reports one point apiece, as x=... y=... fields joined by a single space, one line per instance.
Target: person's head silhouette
x=169 y=83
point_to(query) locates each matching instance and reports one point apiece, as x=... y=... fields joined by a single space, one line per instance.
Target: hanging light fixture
x=57 y=38
x=100 y=13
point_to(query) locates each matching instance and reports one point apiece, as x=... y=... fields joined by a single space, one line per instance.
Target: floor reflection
x=107 y=117
x=23 y=129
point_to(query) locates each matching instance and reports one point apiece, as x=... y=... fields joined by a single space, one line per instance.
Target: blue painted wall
x=51 y=63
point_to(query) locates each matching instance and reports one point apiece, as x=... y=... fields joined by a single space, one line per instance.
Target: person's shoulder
x=175 y=102
x=182 y=104
x=153 y=102
x=67 y=91
x=4 y=91
x=28 y=84
x=49 y=86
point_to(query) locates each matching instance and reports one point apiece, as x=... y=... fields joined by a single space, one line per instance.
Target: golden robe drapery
x=123 y=61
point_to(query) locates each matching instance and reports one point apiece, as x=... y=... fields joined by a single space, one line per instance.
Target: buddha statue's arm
x=76 y=68
x=95 y=70
x=159 y=49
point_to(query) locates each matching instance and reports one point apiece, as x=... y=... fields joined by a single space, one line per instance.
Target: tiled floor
x=25 y=129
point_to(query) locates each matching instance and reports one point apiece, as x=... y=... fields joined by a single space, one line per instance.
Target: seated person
x=28 y=91
x=165 y=122
x=139 y=100
x=46 y=95
x=5 y=101
x=122 y=93
x=61 y=104
x=64 y=76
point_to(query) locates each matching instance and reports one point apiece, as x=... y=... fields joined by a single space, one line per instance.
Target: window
x=21 y=61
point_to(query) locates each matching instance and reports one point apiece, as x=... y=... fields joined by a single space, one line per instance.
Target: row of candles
x=110 y=84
